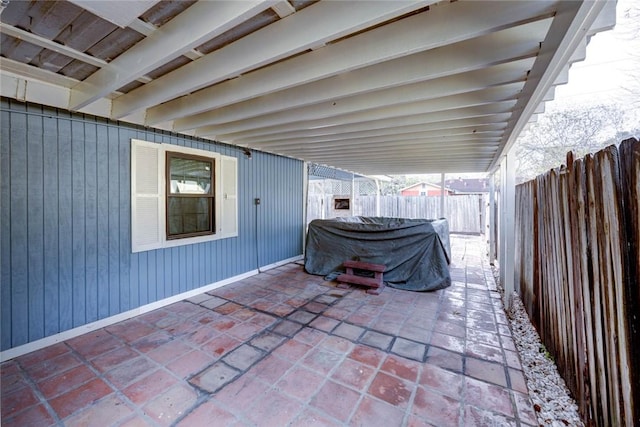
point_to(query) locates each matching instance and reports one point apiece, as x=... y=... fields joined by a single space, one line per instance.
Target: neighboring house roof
x=468 y=185
x=421 y=185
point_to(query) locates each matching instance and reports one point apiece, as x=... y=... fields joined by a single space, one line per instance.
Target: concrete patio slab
x=287 y=348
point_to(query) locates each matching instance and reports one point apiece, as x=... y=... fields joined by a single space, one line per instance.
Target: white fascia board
x=472 y=55
x=472 y=19
x=569 y=28
x=328 y=125
x=563 y=77
x=490 y=122
x=359 y=109
x=197 y=24
x=606 y=19
x=279 y=40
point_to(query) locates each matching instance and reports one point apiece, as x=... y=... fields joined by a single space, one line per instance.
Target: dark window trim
x=211 y=195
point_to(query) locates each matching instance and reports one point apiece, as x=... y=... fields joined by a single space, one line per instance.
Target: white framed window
x=180 y=196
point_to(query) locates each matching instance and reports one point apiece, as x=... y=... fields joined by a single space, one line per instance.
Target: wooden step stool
x=375 y=283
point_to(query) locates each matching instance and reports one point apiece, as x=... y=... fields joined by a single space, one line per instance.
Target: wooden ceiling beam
x=428 y=30
x=277 y=41
x=340 y=141
x=488 y=122
x=570 y=26
x=499 y=109
x=401 y=147
x=451 y=69
x=359 y=109
x=197 y=24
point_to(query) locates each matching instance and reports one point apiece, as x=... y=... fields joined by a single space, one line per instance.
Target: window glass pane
x=189 y=215
x=189 y=176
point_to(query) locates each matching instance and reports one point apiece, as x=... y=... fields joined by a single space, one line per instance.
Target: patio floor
x=287 y=348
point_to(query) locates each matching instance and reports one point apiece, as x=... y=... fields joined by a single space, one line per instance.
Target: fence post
x=507 y=226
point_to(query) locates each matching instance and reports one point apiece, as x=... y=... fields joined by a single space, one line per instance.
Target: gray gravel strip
x=551 y=399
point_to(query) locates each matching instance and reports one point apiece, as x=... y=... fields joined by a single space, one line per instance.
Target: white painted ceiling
x=373 y=87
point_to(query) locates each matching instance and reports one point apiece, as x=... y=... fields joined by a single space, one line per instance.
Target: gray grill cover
x=415 y=251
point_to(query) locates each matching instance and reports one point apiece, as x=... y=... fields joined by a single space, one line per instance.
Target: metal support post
x=443 y=214
x=492 y=219
x=507 y=225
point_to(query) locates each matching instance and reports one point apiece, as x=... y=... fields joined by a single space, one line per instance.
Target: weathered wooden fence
x=465 y=213
x=577 y=268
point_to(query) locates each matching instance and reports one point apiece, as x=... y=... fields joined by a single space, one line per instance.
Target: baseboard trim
x=111 y=320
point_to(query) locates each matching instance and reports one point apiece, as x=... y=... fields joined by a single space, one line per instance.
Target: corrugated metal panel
x=65 y=205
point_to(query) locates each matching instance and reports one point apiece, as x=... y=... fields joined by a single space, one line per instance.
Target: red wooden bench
x=375 y=283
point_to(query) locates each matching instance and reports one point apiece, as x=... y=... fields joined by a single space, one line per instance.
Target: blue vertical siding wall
x=65 y=206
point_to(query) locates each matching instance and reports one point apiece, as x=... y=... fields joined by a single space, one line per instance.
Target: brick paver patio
x=287 y=348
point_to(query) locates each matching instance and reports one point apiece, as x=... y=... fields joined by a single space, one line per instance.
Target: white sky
x=611 y=67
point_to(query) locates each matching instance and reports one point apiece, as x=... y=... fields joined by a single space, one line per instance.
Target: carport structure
x=371 y=87
x=380 y=87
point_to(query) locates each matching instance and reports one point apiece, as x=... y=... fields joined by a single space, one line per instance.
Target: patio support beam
x=468 y=133
x=571 y=24
x=498 y=112
x=507 y=225
x=354 y=110
x=442 y=212
x=305 y=208
x=352 y=205
x=199 y=23
x=495 y=122
x=475 y=20
x=282 y=39
x=377 y=197
x=492 y=219
x=438 y=72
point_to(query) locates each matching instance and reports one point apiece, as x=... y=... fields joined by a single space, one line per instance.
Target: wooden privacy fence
x=465 y=213
x=577 y=268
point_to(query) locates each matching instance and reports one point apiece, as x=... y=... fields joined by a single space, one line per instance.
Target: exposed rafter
x=493 y=130
x=475 y=20
x=354 y=110
x=282 y=39
x=426 y=74
x=197 y=24
x=369 y=86
x=410 y=118
x=488 y=122
x=570 y=27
